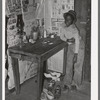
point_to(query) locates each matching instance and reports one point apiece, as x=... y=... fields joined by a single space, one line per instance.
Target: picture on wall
x=11 y=9
x=25 y=5
x=9 y=2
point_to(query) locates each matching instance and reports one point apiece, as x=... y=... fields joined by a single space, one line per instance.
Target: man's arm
x=77 y=42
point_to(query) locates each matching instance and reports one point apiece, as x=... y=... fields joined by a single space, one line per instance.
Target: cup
x=35 y=36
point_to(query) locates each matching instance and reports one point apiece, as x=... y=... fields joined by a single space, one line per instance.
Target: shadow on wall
x=81 y=16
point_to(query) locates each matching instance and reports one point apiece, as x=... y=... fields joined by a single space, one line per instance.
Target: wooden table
x=41 y=50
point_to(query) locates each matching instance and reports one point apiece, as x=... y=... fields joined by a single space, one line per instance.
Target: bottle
x=45 y=34
x=25 y=37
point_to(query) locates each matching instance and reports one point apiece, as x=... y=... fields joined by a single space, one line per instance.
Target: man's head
x=70 y=17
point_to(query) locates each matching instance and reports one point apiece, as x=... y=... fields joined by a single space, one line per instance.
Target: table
x=42 y=49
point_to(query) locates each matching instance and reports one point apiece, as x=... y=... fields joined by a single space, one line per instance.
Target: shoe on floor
x=49 y=94
x=57 y=93
x=51 y=85
x=43 y=96
x=66 y=88
x=73 y=87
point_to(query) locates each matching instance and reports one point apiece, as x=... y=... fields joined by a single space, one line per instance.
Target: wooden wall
x=83 y=10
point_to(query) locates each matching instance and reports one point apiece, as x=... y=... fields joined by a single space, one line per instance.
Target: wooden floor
x=28 y=92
